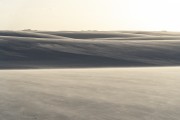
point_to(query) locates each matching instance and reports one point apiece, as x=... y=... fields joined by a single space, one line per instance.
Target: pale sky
x=90 y=14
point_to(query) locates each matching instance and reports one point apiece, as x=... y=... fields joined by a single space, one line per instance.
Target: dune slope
x=49 y=52
x=90 y=94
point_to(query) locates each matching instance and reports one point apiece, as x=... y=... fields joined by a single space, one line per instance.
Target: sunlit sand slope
x=90 y=94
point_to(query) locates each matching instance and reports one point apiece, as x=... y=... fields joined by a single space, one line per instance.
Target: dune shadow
x=26 y=50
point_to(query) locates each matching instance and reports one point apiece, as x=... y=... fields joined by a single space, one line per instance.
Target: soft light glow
x=90 y=14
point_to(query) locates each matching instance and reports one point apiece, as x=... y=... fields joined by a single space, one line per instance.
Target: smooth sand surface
x=91 y=94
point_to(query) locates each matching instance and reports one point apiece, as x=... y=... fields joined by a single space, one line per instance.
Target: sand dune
x=90 y=94
x=154 y=33
x=37 y=50
x=27 y=34
x=131 y=91
x=112 y=34
x=91 y=35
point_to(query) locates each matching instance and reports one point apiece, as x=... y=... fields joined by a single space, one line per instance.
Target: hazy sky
x=90 y=14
